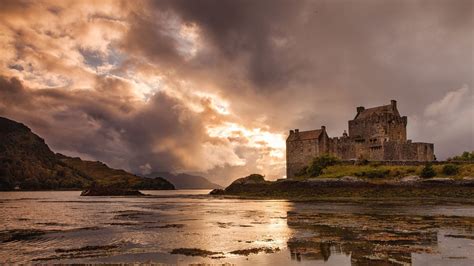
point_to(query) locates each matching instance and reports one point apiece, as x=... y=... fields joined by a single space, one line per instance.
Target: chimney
x=323 y=128
x=394 y=104
x=360 y=109
x=297 y=131
x=344 y=134
x=291 y=132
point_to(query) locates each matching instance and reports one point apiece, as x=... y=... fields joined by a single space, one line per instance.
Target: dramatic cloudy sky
x=213 y=87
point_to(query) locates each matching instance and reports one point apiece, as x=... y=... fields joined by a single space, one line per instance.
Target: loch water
x=190 y=227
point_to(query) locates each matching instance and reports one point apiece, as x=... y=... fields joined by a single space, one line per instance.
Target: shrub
x=301 y=172
x=373 y=173
x=314 y=170
x=411 y=170
x=362 y=161
x=374 y=164
x=428 y=171
x=319 y=163
x=465 y=156
x=450 y=169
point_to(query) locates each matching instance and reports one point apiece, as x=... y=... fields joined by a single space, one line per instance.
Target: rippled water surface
x=171 y=226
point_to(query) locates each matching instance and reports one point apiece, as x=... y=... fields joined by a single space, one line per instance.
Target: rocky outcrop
x=344 y=187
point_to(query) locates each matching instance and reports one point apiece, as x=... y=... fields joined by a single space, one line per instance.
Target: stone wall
x=378 y=127
x=299 y=153
x=375 y=134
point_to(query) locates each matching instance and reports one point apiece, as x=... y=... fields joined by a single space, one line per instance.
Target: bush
x=428 y=171
x=362 y=161
x=302 y=171
x=465 y=156
x=411 y=170
x=450 y=169
x=319 y=163
x=373 y=173
x=374 y=164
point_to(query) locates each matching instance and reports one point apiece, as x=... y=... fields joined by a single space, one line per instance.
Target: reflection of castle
x=377 y=240
x=377 y=133
x=313 y=251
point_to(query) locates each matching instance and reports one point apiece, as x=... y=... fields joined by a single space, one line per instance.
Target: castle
x=377 y=134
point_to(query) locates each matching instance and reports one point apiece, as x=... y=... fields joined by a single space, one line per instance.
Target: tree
x=465 y=156
x=428 y=171
x=319 y=163
x=450 y=169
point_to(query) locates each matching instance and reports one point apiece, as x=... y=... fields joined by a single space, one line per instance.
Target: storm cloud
x=212 y=87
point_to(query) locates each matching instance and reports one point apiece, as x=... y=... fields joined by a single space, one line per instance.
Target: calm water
x=62 y=227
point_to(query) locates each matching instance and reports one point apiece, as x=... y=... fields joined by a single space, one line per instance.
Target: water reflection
x=61 y=227
x=374 y=234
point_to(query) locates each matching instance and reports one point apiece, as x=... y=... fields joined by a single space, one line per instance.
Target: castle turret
x=393 y=103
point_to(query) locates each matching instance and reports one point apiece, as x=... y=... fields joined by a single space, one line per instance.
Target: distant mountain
x=27 y=163
x=185 y=181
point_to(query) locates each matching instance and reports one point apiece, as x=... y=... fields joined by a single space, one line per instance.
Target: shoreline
x=352 y=189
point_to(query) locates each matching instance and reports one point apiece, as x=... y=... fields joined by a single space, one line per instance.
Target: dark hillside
x=27 y=163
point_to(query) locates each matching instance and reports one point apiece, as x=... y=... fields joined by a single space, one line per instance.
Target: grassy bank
x=327 y=166
x=333 y=188
x=374 y=170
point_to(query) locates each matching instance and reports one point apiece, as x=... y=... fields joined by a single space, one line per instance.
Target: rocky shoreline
x=110 y=191
x=350 y=187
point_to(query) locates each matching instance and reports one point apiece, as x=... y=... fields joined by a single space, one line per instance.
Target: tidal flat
x=192 y=227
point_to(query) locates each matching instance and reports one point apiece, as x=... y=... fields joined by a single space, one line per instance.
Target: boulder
x=217 y=191
x=412 y=178
x=251 y=179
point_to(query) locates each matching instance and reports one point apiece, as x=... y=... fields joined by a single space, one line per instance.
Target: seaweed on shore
x=20 y=235
x=248 y=251
x=195 y=252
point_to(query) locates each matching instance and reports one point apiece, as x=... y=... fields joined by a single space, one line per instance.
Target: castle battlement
x=375 y=134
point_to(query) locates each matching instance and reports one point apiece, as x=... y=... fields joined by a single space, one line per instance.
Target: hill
x=186 y=181
x=27 y=163
x=104 y=176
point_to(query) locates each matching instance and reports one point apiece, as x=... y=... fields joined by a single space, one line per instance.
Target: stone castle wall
x=375 y=134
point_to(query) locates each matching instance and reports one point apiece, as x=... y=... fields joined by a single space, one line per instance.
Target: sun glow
x=253 y=137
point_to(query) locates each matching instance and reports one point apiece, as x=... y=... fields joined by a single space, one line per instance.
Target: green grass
x=374 y=170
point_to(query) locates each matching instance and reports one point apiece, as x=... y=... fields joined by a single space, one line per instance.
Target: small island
x=328 y=178
x=374 y=160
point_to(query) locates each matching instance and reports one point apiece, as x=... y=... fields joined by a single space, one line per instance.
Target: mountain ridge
x=27 y=163
x=185 y=181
